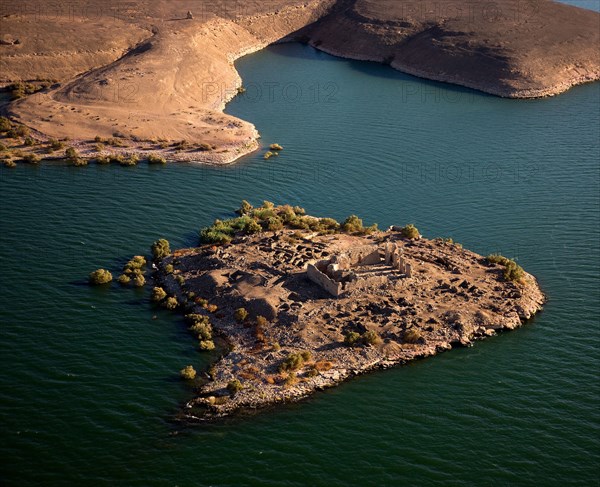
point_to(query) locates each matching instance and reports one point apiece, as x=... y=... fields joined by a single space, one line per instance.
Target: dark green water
x=88 y=383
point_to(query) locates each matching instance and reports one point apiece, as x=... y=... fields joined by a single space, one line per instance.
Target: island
x=126 y=82
x=303 y=303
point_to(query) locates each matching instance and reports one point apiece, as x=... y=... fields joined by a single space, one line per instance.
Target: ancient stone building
x=360 y=269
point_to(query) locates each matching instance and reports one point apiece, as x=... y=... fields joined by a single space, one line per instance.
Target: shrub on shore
x=240 y=314
x=10 y=163
x=234 y=386
x=160 y=249
x=55 y=144
x=188 y=373
x=32 y=158
x=124 y=280
x=352 y=224
x=294 y=361
x=171 y=303
x=158 y=294
x=275 y=147
x=29 y=141
x=156 y=159
x=370 y=337
x=410 y=231
x=512 y=271
x=207 y=345
x=139 y=280
x=100 y=276
x=352 y=338
x=73 y=157
x=5 y=124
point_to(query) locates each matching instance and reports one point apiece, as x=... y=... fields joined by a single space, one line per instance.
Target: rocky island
x=304 y=303
x=151 y=79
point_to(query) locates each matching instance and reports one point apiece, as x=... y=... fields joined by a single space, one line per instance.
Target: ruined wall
x=394 y=258
x=332 y=287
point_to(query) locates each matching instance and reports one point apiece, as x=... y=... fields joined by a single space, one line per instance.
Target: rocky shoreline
x=306 y=309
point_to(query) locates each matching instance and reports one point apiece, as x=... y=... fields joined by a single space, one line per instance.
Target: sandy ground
x=145 y=72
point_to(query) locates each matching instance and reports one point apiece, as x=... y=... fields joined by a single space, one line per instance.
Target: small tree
x=410 y=231
x=241 y=314
x=158 y=294
x=351 y=338
x=100 y=276
x=188 y=372
x=370 y=337
x=352 y=224
x=160 y=249
x=207 y=345
x=171 y=303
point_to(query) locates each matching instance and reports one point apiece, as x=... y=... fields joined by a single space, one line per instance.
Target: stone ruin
x=360 y=268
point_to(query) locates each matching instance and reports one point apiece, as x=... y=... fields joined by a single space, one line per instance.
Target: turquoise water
x=88 y=383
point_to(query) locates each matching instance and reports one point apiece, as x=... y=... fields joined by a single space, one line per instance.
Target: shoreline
x=189 y=98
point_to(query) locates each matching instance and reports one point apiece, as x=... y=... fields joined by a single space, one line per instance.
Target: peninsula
x=129 y=80
x=304 y=303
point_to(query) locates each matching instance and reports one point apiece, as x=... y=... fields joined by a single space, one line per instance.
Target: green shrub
x=124 y=280
x=100 y=276
x=269 y=154
x=72 y=156
x=54 y=145
x=274 y=224
x=130 y=160
x=352 y=224
x=498 y=259
x=102 y=160
x=194 y=318
x=207 y=345
x=169 y=269
x=139 y=280
x=245 y=208
x=294 y=361
x=160 y=249
x=188 y=373
x=171 y=303
x=158 y=294
x=513 y=272
x=352 y=338
x=214 y=237
x=21 y=130
x=5 y=124
x=29 y=141
x=136 y=262
x=370 y=337
x=275 y=147
x=240 y=314
x=203 y=330
x=156 y=159
x=32 y=158
x=410 y=231
x=234 y=386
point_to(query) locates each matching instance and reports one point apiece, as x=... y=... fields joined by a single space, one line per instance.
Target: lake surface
x=89 y=379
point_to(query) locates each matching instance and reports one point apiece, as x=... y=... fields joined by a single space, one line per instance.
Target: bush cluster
x=369 y=337
x=158 y=294
x=512 y=271
x=295 y=361
x=188 y=372
x=240 y=314
x=410 y=231
x=354 y=224
x=160 y=249
x=100 y=276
